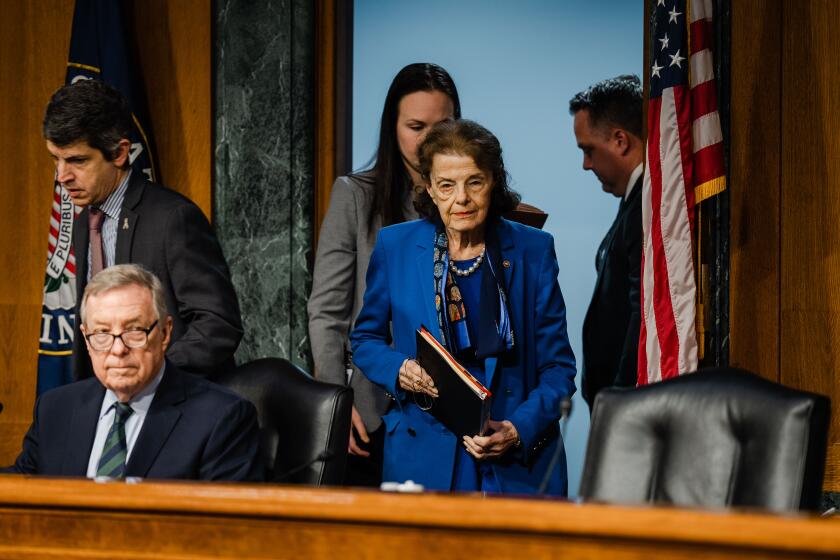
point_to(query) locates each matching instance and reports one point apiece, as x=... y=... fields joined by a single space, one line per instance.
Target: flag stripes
x=684 y=149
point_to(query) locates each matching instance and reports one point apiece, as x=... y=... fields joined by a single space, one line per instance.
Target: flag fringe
x=55 y=352
x=709 y=189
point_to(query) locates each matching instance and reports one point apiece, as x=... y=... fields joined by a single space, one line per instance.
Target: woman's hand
x=357 y=424
x=413 y=378
x=504 y=437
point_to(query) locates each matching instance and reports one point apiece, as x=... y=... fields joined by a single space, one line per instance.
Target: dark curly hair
x=467 y=138
x=617 y=102
x=90 y=111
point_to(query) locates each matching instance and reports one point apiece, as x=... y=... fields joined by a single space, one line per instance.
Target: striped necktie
x=112 y=461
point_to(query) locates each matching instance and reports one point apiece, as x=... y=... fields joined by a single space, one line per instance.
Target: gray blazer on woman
x=338 y=288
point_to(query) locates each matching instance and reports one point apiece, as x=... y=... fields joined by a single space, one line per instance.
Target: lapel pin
x=506 y=263
x=125 y=223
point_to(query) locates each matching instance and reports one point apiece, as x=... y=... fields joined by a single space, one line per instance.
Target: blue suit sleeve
x=370 y=340
x=555 y=361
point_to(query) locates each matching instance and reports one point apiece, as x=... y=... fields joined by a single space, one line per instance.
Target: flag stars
x=664 y=42
x=655 y=70
x=676 y=59
x=672 y=15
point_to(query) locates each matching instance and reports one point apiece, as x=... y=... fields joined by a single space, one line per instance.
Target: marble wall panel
x=264 y=171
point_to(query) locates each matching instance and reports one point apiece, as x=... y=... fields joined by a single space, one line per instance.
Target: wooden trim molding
x=333 y=93
x=324 y=111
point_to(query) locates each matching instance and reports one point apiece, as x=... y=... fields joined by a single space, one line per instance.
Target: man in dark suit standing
x=608 y=129
x=127 y=219
x=140 y=415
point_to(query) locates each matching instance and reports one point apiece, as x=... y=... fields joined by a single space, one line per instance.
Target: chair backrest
x=715 y=438
x=528 y=215
x=304 y=423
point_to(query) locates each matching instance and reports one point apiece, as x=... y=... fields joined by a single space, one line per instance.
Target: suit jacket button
x=506 y=263
x=411 y=432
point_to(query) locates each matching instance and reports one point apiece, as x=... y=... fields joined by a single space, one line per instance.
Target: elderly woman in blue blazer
x=487 y=289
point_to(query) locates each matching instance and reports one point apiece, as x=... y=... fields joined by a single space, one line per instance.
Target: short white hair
x=123 y=275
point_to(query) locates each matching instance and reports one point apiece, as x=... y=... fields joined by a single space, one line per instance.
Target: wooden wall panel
x=785 y=265
x=34 y=40
x=810 y=207
x=174 y=52
x=755 y=166
x=175 y=57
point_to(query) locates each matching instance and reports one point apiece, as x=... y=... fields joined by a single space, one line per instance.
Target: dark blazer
x=528 y=383
x=611 y=327
x=168 y=234
x=194 y=429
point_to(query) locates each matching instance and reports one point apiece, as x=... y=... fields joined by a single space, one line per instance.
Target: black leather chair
x=304 y=423
x=715 y=438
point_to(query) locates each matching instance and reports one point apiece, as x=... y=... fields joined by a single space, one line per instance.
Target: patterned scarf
x=495 y=332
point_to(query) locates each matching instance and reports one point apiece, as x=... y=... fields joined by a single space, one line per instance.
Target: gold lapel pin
x=506 y=263
x=125 y=223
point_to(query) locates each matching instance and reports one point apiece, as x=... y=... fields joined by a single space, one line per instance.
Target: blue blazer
x=528 y=383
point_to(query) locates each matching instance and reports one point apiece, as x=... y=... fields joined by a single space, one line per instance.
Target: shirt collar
x=633 y=178
x=141 y=401
x=113 y=203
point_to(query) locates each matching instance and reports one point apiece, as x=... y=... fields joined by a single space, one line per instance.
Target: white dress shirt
x=633 y=178
x=139 y=404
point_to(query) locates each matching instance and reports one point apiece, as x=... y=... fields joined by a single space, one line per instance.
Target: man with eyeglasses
x=140 y=416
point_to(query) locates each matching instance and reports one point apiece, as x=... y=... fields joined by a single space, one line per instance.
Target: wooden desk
x=51 y=518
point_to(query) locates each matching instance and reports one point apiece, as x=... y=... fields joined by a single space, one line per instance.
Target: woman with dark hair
x=361 y=204
x=487 y=288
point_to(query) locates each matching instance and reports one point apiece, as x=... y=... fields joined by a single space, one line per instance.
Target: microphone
x=565 y=412
x=323 y=456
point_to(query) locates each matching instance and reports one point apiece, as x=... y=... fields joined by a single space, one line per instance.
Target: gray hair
x=123 y=275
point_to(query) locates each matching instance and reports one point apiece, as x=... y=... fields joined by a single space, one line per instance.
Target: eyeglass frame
x=114 y=338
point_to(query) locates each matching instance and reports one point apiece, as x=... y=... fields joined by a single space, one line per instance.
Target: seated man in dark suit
x=127 y=219
x=140 y=415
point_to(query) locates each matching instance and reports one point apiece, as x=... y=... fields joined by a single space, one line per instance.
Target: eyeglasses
x=132 y=338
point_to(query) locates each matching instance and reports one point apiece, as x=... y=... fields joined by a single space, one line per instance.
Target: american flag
x=684 y=165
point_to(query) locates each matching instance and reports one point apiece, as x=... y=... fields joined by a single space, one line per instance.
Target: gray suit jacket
x=338 y=288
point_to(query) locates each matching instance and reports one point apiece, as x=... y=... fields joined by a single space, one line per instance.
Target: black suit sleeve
x=27 y=462
x=627 y=373
x=232 y=451
x=205 y=296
